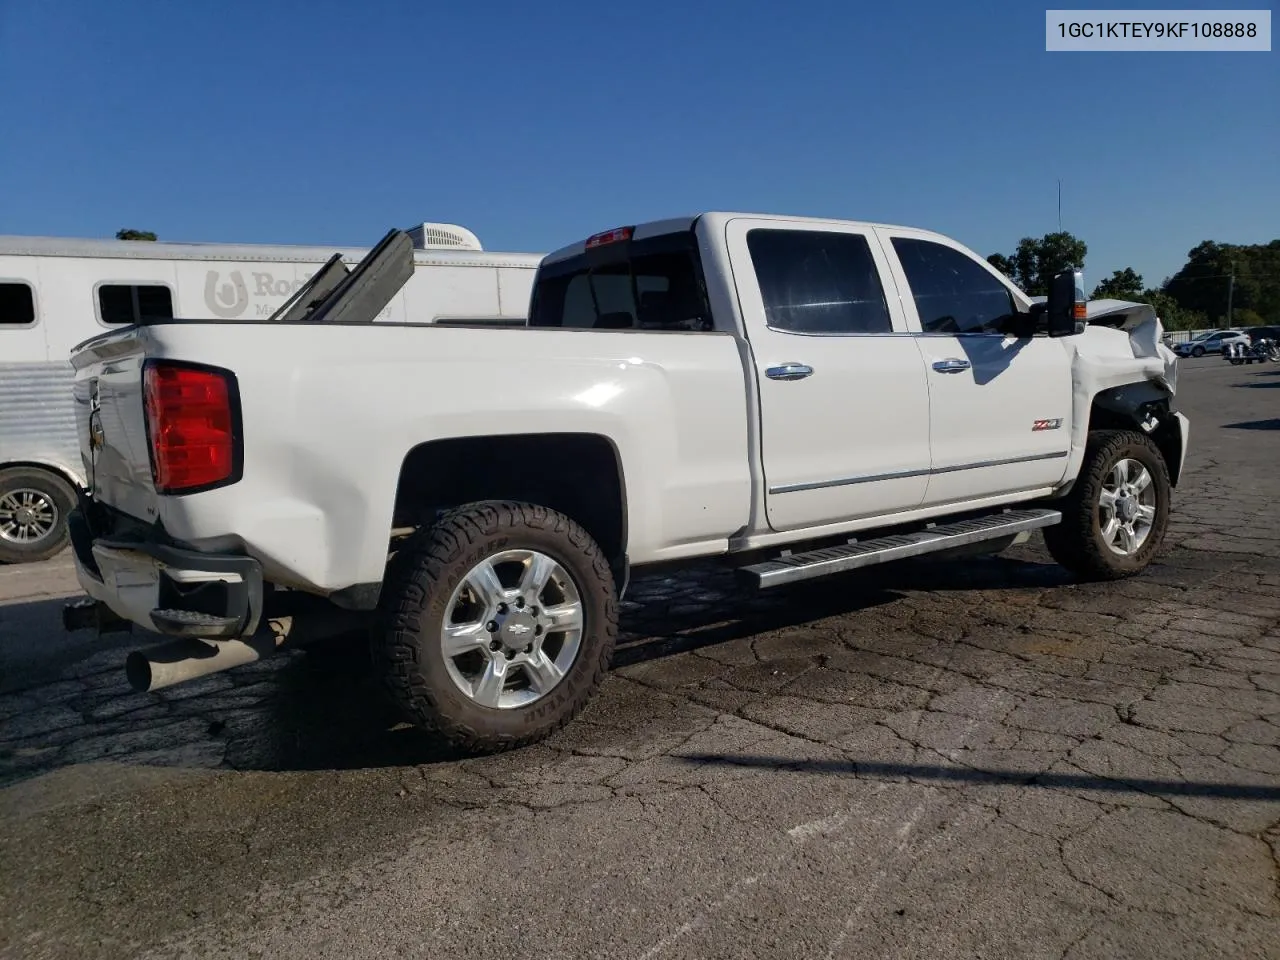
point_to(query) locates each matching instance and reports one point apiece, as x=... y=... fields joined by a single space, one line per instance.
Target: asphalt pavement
x=977 y=758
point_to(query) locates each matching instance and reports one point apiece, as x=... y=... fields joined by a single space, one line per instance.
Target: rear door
x=999 y=404
x=844 y=406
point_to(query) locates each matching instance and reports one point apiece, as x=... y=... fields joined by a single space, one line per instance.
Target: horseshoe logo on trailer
x=229 y=300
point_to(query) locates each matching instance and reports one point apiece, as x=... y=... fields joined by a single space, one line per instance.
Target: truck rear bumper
x=166 y=588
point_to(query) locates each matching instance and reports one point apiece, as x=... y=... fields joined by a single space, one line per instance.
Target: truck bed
x=328 y=415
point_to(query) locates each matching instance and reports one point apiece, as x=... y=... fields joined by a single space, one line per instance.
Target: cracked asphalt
x=975 y=758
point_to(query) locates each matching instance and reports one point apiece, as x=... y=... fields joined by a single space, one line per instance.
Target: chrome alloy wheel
x=512 y=629
x=27 y=516
x=1127 y=507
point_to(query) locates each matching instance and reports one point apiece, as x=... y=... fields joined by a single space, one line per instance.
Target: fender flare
x=1143 y=406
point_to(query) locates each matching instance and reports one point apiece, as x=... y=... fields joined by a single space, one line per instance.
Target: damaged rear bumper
x=167 y=588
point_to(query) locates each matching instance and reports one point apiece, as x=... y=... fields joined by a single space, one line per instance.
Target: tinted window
x=118 y=303
x=648 y=284
x=818 y=282
x=953 y=293
x=17 y=305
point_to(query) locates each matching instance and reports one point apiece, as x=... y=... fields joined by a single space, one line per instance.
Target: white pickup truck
x=797 y=397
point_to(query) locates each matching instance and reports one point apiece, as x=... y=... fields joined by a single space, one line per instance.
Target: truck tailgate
x=111 y=421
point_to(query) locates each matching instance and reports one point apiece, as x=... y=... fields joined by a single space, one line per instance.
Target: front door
x=999 y=405
x=844 y=406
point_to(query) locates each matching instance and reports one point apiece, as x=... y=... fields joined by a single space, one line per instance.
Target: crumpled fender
x=1121 y=346
x=1146 y=333
x=1140 y=322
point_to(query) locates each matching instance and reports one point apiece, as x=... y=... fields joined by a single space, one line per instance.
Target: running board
x=933 y=539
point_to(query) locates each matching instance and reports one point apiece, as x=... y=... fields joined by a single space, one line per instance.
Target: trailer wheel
x=1115 y=517
x=496 y=625
x=34 y=504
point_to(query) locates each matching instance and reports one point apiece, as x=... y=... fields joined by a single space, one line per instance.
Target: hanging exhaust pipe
x=190 y=658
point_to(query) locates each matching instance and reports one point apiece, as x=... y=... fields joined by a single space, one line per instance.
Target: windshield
x=649 y=284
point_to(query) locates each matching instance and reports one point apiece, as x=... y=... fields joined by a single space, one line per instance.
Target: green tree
x=135 y=235
x=1204 y=283
x=1121 y=285
x=1004 y=265
x=1035 y=261
x=1247 y=318
x=1173 y=316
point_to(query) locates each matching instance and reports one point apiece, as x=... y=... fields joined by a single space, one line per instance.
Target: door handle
x=951 y=365
x=789 y=371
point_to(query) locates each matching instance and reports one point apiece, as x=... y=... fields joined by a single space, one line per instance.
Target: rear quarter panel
x=331 y=412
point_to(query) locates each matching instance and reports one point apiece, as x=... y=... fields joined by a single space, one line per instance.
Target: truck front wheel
x=496 y=625
x=1115 y=517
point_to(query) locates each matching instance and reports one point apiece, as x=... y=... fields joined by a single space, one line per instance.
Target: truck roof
x=653 y=228
x=99 y=248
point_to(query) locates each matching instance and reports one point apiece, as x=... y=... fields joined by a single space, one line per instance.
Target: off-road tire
x=1076 y=543
x=59 y=492
x=420 y=580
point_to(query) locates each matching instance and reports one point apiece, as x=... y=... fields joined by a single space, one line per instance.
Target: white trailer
x=56 y=292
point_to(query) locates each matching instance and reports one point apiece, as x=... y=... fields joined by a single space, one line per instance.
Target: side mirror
x=1065 y=310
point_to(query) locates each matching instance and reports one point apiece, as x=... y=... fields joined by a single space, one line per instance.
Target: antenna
x=1059 y=204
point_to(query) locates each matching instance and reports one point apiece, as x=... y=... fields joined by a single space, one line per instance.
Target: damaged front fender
x=1123 y=376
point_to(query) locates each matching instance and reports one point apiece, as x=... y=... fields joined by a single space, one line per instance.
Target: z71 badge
x=1046 y=424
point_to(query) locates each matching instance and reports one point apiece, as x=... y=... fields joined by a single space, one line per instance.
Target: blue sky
x=535 y=124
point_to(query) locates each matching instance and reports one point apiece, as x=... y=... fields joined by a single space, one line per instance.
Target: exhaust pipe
x=189 y=658
x=180 y=660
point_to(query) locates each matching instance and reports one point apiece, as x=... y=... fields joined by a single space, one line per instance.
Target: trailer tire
x=452 y=678
x=34 y=504
x=1080 y=542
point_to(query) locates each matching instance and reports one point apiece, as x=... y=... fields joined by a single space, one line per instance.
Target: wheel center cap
x=1128 y=508
x=516 y=630
x=25 y=516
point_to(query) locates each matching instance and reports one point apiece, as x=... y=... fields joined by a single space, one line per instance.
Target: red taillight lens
x=191 y=425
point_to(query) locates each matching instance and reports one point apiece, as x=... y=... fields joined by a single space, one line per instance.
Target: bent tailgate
x=111 y=420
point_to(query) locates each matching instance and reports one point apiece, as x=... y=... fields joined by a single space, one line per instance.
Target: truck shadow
x=1260 y=380
x=670 y=616
x=934 y=773
x=990 y=356
x=322 y=709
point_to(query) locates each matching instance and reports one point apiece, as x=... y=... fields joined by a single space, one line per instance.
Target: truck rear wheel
x=34 y=504
x=1115 y=517
x=496 y=625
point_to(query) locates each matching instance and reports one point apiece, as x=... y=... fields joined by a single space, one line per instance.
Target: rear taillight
x=192 y=415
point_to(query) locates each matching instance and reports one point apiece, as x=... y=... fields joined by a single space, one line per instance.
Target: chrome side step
x=933 y=539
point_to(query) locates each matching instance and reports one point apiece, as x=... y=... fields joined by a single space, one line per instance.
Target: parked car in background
x=1210 y=343
x=1263 y=333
